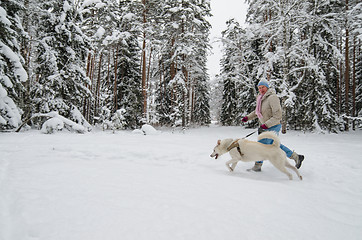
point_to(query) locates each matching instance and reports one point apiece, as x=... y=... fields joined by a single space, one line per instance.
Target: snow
x=101 y=185
x=129 y=16
x=3 y=19
x=9 y=108
x=149 y=130
x=87 y=3
x=52 y=125
x=3 y=92
x=146 y=129
x=19 y=70
x=100 y=32
x=57 y=123
x=66 y=6
x=2 y=120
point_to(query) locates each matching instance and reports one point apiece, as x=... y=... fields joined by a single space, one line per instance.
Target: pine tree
x=199 y=96
x=359 y=84
x=296 y=39
x=129 y=92
x=101 y=24
x=62 y=82
x=186 y=31
x=355 y=14
x=230 y=73
x=216 y=90
x=201 y=109
x=229 y=109
x=12 y=72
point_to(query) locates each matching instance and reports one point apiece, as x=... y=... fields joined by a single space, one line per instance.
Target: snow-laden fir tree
x=355 y=16
x=359 y=87
x=101 y=21
x=198 y=90
x=293 y=42
x=316 y=106
x=185 y=34
x=128 y=79
x=201 y=100
x=244 y=54
x=61 y=83
x=230 y=74
x=12 y=72
x=216 y=87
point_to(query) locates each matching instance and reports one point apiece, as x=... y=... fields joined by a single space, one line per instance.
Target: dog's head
x=215 y=153
x=221 y=147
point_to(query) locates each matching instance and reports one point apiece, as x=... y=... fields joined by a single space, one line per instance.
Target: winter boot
x=298 y=159
x=257 y=167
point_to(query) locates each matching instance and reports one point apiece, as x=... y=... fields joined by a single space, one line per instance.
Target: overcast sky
x=222 y=10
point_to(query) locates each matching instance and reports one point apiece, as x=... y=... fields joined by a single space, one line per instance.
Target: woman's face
x=262 y=89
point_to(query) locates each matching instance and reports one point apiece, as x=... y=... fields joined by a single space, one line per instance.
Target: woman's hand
x=262 y=128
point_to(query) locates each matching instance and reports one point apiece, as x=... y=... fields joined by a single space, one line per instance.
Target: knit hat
x=263 y=83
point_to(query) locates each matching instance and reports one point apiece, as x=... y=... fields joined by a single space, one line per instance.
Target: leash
x=250 y=134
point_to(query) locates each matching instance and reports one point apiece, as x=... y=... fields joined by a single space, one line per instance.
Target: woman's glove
x=262 y=128
x=245 y=119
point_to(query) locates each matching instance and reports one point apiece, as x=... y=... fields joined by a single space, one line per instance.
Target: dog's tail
x=270 y=135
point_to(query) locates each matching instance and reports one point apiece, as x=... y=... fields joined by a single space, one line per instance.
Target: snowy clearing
x=101 y=185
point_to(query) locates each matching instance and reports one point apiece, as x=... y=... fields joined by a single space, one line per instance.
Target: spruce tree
x=201 y=114
x=12 y=72
x=230 y=74
x=295 y=40
x=128 y=88
x=62 y=82
x=359 y=86
x=185 y=34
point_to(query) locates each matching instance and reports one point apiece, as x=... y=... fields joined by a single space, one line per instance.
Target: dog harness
x=235 y=144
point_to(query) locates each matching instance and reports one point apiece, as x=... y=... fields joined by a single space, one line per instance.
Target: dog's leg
x=233 y=165
x=231 y=162
x=282 y=168
x=288 y=165
x=228 y=165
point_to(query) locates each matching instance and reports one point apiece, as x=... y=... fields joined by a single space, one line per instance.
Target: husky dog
x=250 y=151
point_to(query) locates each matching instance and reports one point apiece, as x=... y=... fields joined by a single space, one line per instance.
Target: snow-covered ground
x=127 y=186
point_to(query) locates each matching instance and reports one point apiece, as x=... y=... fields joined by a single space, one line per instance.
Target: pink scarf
x=258 y=106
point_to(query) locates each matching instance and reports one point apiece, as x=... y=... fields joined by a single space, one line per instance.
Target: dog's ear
x=218 y=142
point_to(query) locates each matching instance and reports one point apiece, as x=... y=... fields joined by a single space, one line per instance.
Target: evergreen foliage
x=125 y=63
x=128 y=82
x=85 y=57
x=300 y=47
x=62 y=84
x=12 y=72
x=182 y=70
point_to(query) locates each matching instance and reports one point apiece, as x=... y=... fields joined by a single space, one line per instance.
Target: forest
x=311 y=53
x=119 y=64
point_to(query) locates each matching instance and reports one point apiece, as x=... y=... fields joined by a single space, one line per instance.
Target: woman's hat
x=263 y=83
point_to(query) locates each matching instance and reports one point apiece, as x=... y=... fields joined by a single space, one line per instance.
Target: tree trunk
x=144 y=87
x=98 y=86
x=339 y=80
x=354 y=84
x=346 y=72
x=115 y=97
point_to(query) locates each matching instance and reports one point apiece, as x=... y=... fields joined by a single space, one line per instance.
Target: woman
x=269 y=113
